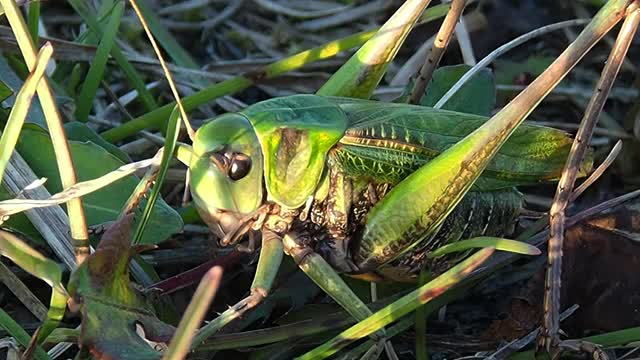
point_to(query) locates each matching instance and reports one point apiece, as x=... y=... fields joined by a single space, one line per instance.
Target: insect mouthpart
x=253 y=221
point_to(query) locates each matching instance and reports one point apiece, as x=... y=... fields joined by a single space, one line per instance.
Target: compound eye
x=239 y=167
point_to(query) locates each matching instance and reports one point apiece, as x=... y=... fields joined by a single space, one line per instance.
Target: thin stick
x=172 y=85
x=550 y=338
x=437 y=51
x=598 y=172
x=503 y=49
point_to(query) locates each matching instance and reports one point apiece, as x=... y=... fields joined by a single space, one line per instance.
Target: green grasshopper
x=338 y=184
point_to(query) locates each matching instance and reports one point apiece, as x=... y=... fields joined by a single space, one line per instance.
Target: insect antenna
x=172 y=85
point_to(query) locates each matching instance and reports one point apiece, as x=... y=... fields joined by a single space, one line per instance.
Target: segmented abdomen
x=486 y=213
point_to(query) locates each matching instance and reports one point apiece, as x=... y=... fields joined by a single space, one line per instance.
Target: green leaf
x=92 y=161
x=5 y=91
x=111 y=308
x=477 y=96
x=507 y=71
x=78 y=131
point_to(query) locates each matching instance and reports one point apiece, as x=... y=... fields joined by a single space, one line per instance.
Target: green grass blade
x=129 y=71
x=173 y=130
x=194 y=315
x=33 y=20
x=21 y=336
x=155 y=118
x=401 y=307
x=359 y=76
x=168 y=42
x=513 y=246
x=96 y=71
x=77 y=223
x=39 y=266
x=21 y=107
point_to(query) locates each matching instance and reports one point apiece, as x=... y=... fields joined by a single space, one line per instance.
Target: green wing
x=386 y=142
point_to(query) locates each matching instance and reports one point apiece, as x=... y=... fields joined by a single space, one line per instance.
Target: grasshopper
x=337 y=183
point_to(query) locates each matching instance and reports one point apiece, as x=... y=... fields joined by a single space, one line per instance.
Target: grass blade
x=21 y=107
x=18 y=333
x=96 y=71
x=398 y=309
x=130 y=72
x=513 y=246
x=39 y=266
x=194 y=315
x=168 y=42
x=77 y=221
x=34 y=20
x=359 y=76
x=155 y=119
x=173 y=129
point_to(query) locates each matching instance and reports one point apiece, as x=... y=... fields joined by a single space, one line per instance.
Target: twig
x=551 y=326
x=501 y=50
x=437 y=51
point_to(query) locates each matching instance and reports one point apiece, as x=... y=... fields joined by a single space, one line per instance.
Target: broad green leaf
x=78 y=131
x=477 y=96
x=507 y=71
x=111 y=308
x=5 y=91
x=92 y=161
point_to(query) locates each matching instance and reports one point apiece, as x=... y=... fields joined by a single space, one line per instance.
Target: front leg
x=324 y=276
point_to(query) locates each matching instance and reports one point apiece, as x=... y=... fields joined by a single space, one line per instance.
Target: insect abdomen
x=487 y=213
